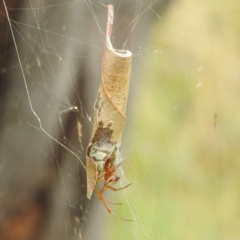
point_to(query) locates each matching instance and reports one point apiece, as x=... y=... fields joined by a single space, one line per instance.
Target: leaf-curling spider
x=110 y=178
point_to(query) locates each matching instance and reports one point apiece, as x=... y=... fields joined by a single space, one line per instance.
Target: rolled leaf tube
x=109 y=109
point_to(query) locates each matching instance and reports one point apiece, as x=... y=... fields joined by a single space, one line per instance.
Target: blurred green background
x=185 y=129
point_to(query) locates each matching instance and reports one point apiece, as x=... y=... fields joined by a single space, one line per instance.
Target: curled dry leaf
x=109 y=109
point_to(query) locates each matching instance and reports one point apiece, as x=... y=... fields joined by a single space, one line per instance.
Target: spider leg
x=109 y=181
x=113 y=189
x=107 y=186
x=100 y=179
x=100 y=196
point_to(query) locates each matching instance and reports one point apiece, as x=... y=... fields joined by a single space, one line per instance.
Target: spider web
x=178 y=149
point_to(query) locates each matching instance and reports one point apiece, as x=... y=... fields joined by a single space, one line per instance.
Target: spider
x=110 y=178
x=103 y=153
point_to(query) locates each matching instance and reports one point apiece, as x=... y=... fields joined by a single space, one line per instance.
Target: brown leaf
x=109 y=109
